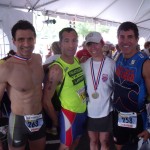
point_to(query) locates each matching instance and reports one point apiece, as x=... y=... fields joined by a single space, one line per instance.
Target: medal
x=96 y=81
x=95 y=95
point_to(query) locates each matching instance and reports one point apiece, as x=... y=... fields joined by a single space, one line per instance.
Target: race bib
x=33 y=122
x=128 y=120
x=81 y=93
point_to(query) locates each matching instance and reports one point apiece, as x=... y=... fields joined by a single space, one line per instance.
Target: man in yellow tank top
x=72 y=115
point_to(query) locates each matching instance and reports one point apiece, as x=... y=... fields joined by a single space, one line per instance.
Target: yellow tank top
x=2 y=61
x=73 y=95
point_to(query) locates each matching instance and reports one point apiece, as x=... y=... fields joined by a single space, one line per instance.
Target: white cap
x=94 y=37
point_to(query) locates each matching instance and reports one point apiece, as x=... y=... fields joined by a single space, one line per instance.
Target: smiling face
x=24 y=42
x=127 y=42
x=95 y=49
x=69 y=44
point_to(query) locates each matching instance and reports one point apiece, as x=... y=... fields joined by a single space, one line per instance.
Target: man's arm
x=146 y=74
x=55 y=76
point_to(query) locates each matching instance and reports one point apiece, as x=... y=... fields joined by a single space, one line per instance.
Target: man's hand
x=145 y=135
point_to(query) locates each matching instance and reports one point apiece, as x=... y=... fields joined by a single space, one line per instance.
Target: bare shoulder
x=5 y=65
x=55 y=73
x=5 y=69
x=146 y=68
x=37 y=57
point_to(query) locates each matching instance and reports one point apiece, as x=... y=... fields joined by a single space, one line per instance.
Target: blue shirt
x=130 y=89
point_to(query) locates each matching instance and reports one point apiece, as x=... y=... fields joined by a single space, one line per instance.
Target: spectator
x=146 y=49
x=116 y=53
x=55 y=53
x=83 y=54
x=108 y=49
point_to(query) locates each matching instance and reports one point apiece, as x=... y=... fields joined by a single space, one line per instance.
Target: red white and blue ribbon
x=21 y=58
x=96 y=81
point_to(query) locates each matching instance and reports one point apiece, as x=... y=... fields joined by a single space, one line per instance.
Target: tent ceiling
x=115 y=11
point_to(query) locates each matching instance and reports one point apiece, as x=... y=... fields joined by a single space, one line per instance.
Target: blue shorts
x=72 y=126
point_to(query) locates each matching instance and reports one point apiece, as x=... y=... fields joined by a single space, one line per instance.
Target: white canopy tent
x=8 y=17
x=113 y=12
x=107 y=12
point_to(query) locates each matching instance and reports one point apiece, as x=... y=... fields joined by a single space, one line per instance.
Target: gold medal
x=95 y=95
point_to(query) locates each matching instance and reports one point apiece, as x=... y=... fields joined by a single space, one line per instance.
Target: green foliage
x=48 y=33
x=83 y=28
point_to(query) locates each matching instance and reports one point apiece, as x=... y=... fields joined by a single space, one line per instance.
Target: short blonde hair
x=55 y=48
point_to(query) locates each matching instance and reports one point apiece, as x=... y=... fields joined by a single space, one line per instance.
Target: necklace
x=21 y=58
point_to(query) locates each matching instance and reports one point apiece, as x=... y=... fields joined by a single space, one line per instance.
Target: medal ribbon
x=96 y=81
x=21 y=58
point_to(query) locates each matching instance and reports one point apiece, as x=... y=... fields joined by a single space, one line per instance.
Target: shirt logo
x=17 y=141
x=133 y=62
x=141 y=55
x=104 y=77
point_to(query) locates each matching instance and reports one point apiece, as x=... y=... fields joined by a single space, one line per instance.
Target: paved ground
x=52 y=143
x=83 y=144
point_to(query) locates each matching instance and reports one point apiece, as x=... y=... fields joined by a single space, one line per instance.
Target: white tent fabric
x=8 y=17
x=112 y=12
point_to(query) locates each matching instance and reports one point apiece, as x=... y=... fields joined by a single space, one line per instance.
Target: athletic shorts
x=23 y=128
x=103 y=124
x=72 y=126
x=124 y=135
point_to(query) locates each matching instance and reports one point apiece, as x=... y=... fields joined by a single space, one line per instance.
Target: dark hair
x=68 y=29
x=125 y=26
x=22 y=25
x=147 y=44
x=9 y=54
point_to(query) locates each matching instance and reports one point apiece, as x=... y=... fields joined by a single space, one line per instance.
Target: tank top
x=130 y=89
x=72 y=96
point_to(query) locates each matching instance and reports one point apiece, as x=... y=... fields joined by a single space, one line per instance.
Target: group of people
x=100 y=95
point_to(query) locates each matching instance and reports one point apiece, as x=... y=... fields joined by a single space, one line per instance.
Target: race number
x=33 y=122
x=126 y=119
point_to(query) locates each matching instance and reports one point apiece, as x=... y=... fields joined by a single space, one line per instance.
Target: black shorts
x=123 y=135
x=19 y=133
x=103 y=124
